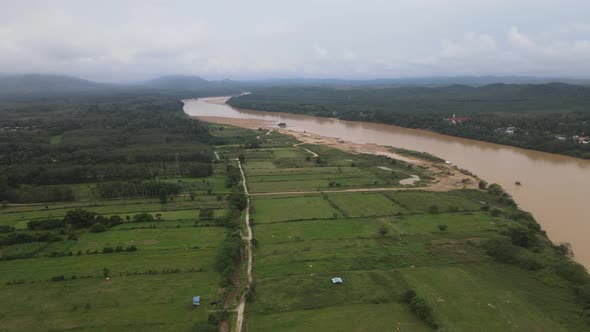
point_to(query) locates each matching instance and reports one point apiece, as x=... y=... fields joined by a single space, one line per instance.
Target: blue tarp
x=196 y=300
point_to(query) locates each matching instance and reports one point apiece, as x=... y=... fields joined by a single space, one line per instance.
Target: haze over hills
x=56 y=85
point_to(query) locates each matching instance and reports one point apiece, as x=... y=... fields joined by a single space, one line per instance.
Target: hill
x=30 y=84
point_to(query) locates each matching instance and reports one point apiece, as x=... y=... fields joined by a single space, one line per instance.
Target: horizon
x=325 y=39
x=526 y=79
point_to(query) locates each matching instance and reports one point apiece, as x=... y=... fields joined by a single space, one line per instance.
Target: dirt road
x=248 y=238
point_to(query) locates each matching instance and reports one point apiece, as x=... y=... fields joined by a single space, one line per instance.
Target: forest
x=544 y=117
x=118 y=137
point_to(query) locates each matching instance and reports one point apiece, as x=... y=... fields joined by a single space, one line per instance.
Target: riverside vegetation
x=128 y=213
x=544 y=117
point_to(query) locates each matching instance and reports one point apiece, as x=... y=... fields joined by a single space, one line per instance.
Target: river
x=554 y=188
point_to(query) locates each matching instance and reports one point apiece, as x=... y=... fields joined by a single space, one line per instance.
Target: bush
x=6 y=229
x=114 y=221
x=58 y=278
x=419 y=306
x=98 y=228
x=442 y=227
x=408 y=296
x=572 y=271
x=108 y=250
x=495 y=212
x=131 y=248
x=20 y=237
x=206 y=214
x=143 y=217
x=45 y=224
x=502 y=250
x=433 y=209
x=80 y=218
x=521 y=236
x=482 y=184
x=496 y=189
x=423 y=311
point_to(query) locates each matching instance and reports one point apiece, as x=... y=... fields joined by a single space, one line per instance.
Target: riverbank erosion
x=553 y=187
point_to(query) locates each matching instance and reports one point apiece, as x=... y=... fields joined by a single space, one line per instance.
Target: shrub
x=501 y=249
x=495 y=212
x=423 y=311
x=206 y=214
x=98 y=228
x=108 y=250
x=572 y=271
x=114 y=221
x=383 y=230
x=131 y=248
x=80 y=218
x=433 y=209
x=6 y=229
x=143 y=217
x=482 y=184
x=521 y=236
x=408 y=296
x=442 y=227
x=45 y=224
x=495 y=189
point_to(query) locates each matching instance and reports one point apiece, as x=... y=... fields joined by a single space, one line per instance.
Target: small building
x=510 y=130
x=196 y=301
x=337 y=280
x=456 y=120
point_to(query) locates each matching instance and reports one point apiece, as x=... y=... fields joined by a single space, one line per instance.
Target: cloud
x=125 y=41
x=321 y=52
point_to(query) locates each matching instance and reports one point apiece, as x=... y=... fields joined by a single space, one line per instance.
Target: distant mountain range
x=56 y=85
x=29 y=85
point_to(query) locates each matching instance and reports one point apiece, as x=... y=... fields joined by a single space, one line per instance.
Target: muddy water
x=556 y=189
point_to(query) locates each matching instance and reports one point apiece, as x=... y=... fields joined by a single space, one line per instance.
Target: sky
x=126 y=41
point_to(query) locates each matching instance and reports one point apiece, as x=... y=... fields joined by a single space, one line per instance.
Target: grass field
x=381 y=244
x=150 y=289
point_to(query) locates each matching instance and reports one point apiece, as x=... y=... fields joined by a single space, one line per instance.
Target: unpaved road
x=242 y=304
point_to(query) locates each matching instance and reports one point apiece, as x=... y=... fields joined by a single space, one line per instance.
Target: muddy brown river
x=554 y=188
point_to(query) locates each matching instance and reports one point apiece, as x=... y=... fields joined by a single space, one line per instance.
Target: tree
x=128 y=218
x=158 y=217
x=521 y=236
x=192 y=195
x=433 y=209
x=482 y=184
x=238 y=199
x=163 y=197
x=80 y=218
x=442 y=227
x=98 y=228
x=241 y=158
x=495 y=189
x=106 y=272
x=206 y=214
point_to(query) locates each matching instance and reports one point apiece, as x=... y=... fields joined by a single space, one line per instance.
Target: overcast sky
x=133 y=40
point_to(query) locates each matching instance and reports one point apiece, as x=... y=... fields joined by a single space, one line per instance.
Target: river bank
x=554 y=188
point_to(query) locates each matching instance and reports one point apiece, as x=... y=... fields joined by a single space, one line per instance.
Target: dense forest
x=545 y=117
x=120 y=137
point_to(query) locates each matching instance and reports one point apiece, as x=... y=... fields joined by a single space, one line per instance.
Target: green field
x=383 y=244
